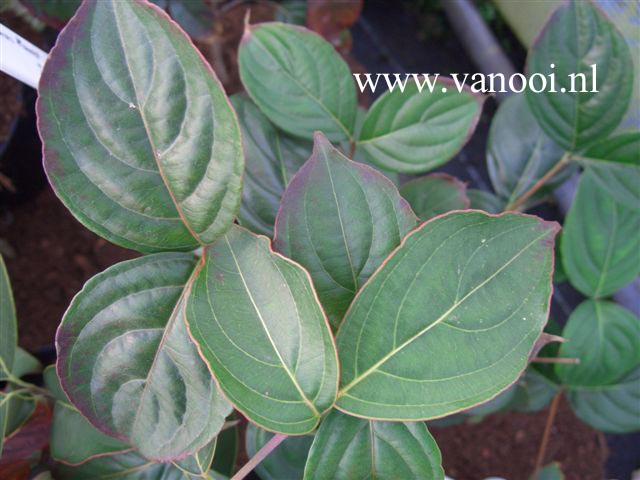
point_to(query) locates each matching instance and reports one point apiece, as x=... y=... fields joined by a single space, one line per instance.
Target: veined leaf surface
x=435 y=194
x=298 y=80
x=140 y=141
x=273 y=157
x=413 y=131
x=339 y=219
x=127 y=364
x=258 y=324
x=8 y=323
x=347 y=447
x=576 y=37
x=600 y=242
x=614 y=164
x=465 y=281
x=485 y=201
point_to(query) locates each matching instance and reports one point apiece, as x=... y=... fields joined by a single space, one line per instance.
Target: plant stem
x=258 y=457
x=564 y=360
x=352 y=148
x=553 y=410
x=518 y=202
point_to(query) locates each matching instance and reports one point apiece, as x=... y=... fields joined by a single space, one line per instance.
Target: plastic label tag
x=20 y=58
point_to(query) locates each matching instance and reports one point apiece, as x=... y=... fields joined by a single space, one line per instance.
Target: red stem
x=268 y=447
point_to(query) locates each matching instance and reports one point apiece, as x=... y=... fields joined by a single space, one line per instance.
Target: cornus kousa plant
x=288 y=280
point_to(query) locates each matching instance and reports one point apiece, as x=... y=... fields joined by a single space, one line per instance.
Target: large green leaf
x=485 y=201
x=298 y=80
x=346 y=448
x=604 y=388
x=615 y=166
x=435 y=194
x=549 y=472
x=413 y=131
x=273 y=157
x=519 y=153
x=288 y=459
x=605 y=338
x=140 y=141
x=126 y=362
x=8 y=324
x=465 y=281
x=339 y=219
x=576 y=37
x=258 y=324
x=224 y=460
x=73 y=439
x=611 y=408
x=600 y=242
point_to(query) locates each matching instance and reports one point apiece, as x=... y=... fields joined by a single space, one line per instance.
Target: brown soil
x=10 y=104
x=51 y=256
x=506 y=445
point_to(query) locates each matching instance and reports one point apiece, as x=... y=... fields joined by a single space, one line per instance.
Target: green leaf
x=346 y=448
x=140 y=141
x=604 y=337
x=549 y=472
x=54 y=13
x=600 y=242
x=576 y=37
x=533 y=392
x=465 y=280
x=25 y=364
x=435 y=194
x=339 y=219
x=224 y=460
x=413 y=131
x=73 y=439
x=195 y=16
x=485 y=201
x=126 y=362
x=298 y=80
x=519 y=153
x=272 y=157
x=286 y=461
x=604 y=388
x=8 y=323
x=615 y=166
x=611 y=408
x=199 y=463
x=258 y=324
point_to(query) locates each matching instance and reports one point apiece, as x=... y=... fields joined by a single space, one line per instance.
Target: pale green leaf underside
x=298 y=80
x=272 y=157
x=258 y=324
x=8 y=323
x=576 y=37
x=413 y=132
x=464 y=281
x=126 y=362
x=339 y=219
x=347 y=448
x=286 y=461
x=140 y=142
x=600 y=242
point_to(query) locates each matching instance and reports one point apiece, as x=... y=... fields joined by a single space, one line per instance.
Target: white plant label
x=20 y=58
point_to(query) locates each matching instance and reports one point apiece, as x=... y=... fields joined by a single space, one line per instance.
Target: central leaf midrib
x=439 y=320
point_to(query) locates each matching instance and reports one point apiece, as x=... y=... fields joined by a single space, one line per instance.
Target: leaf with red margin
x=414 y=131
x=30 y=438
x=140 y=141
x=435 y=194
x=339 y=219
x=449 y=319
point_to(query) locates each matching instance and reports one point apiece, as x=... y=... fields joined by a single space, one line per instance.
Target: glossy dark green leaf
x=462 y=281
x=127 y=363
x=258 y=324
x=576 y=37
x=140 y=141
x=485 y=201
x=611 y=408
x=605 y=338
x=73 y=439
x=339 y=219
x=8 y=323
x=224 y=460
x=347 y=447
x=413 y=131
x=272 y=157
x=615 y=166
x=600 y=242
x=298 y=80
x=604 y=388
x=286 y=461
x=435 y=194
x=519 y=153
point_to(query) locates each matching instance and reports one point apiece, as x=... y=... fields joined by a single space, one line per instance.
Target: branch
x=518 y=202
x=268 y=447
